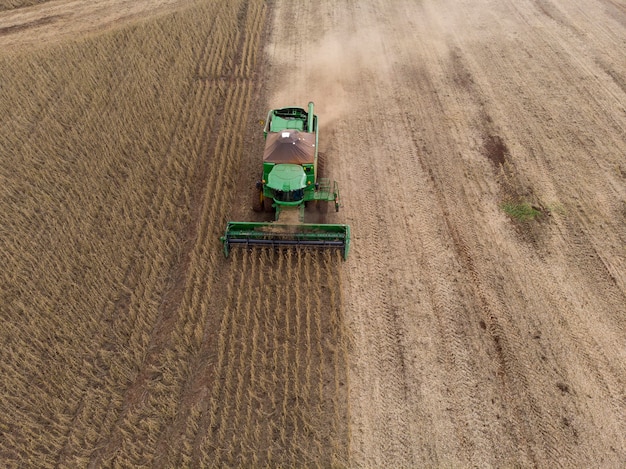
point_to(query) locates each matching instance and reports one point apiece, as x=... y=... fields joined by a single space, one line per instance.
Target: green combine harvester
x=292 y=186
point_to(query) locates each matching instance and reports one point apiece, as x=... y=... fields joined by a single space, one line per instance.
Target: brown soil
x=477 y=339
x=59 y=20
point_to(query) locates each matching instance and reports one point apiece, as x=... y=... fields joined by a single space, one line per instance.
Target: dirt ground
x=477 y=339
x=58 y=20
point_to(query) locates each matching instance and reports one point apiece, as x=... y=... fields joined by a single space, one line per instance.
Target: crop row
x=280 y=390
x=103 y=141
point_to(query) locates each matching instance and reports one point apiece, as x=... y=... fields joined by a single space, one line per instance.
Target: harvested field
x=18 y=4
x=481 y=152
x=480 y=337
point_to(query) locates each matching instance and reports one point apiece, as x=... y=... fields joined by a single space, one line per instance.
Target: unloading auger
x=291 y=184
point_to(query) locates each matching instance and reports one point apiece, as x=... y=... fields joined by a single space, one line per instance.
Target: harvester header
x=293 y=187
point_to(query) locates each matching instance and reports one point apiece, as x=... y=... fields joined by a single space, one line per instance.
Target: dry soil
x=478 y=339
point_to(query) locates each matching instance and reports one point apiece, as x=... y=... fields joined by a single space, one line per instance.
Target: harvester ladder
x=323 y=191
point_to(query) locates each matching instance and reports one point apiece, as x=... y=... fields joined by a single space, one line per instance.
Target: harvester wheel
x=267 y=204
x=257 y=202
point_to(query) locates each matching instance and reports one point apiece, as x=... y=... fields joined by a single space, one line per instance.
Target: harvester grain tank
x=292 y=184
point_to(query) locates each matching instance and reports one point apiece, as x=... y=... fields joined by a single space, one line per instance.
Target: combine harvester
x=291 y=186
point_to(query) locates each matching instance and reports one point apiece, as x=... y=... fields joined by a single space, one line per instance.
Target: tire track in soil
x=492 y=315
x=451 y=308
x=519 y=379
x=453 y=312
x=585 y=249
x=388 y=430
x=386 y=351
x=610 y=375
x=463 y=83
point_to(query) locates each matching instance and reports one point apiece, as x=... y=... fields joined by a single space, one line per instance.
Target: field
x=127 y=338
x=481 y=318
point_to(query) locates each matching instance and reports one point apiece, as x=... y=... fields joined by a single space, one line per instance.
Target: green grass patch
x=521 y=211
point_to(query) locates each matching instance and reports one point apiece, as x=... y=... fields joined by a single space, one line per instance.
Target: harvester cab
x=292 y=181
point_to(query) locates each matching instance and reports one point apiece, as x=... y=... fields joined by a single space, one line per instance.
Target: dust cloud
x=327 y=71
x=339 y=58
